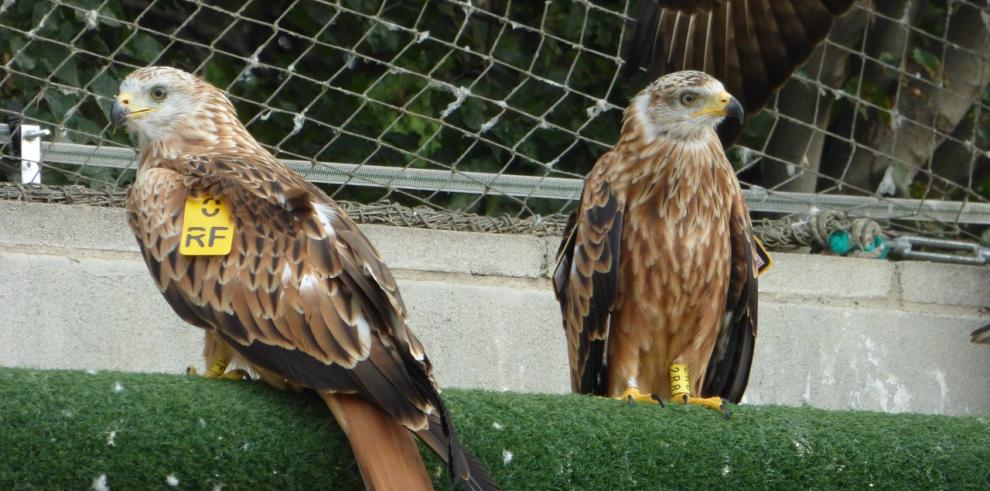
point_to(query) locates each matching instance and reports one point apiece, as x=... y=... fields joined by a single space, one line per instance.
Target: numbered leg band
x=680 y=384
x=219 y=366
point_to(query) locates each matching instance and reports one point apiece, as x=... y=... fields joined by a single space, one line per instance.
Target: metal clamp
x=31 y=153
x=903 y=248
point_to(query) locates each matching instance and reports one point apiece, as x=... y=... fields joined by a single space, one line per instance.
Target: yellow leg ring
x=680 y=383
x=218 y=368
x=680 y=390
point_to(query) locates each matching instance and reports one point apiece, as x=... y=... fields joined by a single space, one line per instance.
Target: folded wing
x=302 y=293
x=586 y=279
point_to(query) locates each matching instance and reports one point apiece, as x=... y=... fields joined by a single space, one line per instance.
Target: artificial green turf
x=55 y=426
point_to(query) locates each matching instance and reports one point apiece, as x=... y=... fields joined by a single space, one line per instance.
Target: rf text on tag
x=207 y=227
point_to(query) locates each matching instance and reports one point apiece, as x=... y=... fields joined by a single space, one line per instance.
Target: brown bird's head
x=164 y=104
x=684 y=105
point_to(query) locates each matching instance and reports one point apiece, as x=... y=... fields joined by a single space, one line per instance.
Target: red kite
x=280 y=278
x=656 y=274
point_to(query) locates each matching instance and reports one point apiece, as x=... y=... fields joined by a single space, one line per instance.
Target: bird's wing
x=586 y=279
x=752 y=46
x=301 y=293
x=981 y=335
x=728 y=368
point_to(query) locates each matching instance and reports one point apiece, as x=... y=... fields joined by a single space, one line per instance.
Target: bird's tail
x=465 y=467
x=384 y=449
x=982 y=335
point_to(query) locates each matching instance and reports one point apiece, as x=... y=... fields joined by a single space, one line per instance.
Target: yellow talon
x=235 y=375
x=715 y=403
x=633 y=394
x=218 y=371
x=680 y=389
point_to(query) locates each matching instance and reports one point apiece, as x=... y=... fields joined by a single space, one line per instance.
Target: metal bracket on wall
x=904 y=248
x=31 y=153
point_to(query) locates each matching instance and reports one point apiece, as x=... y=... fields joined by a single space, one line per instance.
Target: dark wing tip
x=478 y=478
x=982 y=335
x=728 y=369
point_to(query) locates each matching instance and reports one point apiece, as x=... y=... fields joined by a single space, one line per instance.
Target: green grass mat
x=63 y=429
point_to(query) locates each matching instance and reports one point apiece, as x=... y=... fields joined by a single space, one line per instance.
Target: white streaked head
x=160 y=103
x=684 y=106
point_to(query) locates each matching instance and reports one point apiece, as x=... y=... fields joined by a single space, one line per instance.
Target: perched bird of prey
x=752 y=46
x=656 y=274
x=280 y=278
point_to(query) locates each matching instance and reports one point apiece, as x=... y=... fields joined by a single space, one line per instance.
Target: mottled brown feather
x=585 y=279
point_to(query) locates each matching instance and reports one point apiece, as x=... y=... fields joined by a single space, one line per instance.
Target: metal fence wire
x=499 y=107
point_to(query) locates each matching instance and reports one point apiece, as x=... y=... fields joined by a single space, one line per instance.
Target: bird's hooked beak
x=122 y=109
x=724 y=106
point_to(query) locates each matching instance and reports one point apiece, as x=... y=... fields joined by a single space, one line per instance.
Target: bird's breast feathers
x=678 y=202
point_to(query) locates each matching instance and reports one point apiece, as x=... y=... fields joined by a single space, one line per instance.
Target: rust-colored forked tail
x=385 y=450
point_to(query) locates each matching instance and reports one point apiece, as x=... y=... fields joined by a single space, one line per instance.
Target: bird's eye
x=158 y=93
x=688 y=98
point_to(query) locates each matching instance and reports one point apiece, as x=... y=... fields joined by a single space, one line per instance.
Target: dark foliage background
x=499 y=86
x=355 y=80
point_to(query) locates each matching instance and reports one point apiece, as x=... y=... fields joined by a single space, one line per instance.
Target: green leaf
x=68 y=73
x=928 y=61
x=105 y=84
x=143 y=47
x=58 y=103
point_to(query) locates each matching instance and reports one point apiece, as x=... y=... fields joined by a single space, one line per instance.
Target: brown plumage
x=752 y=46
x=657 y=265
x=302 y=297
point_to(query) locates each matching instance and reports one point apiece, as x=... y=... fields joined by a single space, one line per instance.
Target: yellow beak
x=724 y=106
x=121 y=109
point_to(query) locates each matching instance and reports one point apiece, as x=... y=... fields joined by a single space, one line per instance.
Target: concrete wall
x=834 y=332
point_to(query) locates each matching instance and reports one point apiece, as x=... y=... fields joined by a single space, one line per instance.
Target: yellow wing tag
x=207 y=227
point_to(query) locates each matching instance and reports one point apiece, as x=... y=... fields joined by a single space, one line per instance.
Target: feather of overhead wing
x=586 y=279
x=772 y=38
x=728 y=368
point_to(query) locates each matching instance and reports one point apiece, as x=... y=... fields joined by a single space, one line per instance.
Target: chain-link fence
x=499 y=107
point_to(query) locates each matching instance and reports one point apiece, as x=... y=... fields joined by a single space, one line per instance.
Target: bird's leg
x=218 y=354
x=680 y=390
x=632 y=393
x=218 y=370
